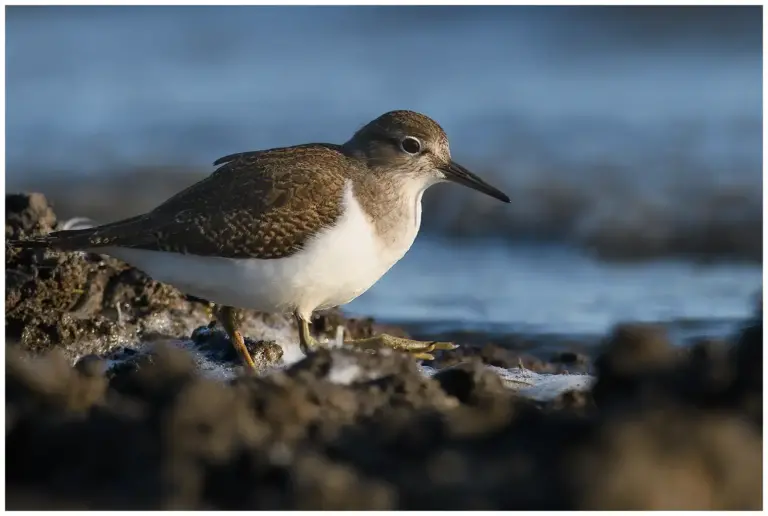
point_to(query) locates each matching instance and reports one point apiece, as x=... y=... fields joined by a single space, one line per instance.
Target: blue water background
x=654 y=100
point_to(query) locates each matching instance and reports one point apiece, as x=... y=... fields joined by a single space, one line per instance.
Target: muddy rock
x=470 y=383
x=28 y=215
x=347 y=429
x=217 y=345
x=637 y=363
x=78 y=303
x=746 y=359
x=325 y=323
x=514 y=351
x=576 y=400
x=686 y=460
x=571 y=361
x=495 y=355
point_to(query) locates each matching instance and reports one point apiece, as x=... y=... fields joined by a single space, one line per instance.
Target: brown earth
x=661 y=429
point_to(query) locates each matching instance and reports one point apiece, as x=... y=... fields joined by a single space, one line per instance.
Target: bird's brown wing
x=256 y=205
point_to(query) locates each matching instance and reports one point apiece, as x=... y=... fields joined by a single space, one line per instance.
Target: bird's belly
x=241 y=283
x=333 y=269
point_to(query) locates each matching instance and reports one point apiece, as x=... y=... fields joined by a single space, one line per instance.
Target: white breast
x=335 y=267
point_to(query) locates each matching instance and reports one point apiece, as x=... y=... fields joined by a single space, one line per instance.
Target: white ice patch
x=548 y=387
x=543 y=387
x=345 y=370
x=539 y=387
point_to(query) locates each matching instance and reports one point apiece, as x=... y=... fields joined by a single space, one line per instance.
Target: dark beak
x=458 y=174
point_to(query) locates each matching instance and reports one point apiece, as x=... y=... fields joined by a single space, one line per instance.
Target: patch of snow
x=344 y=370
x=539 y=387
x=548 y=387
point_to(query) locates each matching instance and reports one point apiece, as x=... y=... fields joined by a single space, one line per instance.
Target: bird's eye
x=411 y=145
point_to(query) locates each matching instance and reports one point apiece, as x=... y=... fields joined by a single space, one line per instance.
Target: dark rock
x=345 y=429
x=217 y=345
x=570 y=358
x=470 y=383
x=325 y=323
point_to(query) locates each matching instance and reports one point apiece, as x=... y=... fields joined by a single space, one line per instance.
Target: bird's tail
x=31 y=243
x=67 y=240
x=70 y=228
x=86 y=236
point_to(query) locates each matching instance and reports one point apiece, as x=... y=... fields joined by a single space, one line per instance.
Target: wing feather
x=262 y=204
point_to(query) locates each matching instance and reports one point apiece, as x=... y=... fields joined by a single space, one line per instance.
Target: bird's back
x=262 y=204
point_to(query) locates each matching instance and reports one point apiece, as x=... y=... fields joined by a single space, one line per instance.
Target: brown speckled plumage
x=256 y=205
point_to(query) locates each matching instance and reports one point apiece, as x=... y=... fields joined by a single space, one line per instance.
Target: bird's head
x=412 y=146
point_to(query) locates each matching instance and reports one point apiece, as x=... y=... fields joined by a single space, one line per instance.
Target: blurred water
x=555 y=290
x=186 y=85
x=643 y=124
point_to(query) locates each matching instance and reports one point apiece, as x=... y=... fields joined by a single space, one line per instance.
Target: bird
x=292 y=229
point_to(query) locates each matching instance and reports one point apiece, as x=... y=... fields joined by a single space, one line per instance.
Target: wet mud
x=662 y=428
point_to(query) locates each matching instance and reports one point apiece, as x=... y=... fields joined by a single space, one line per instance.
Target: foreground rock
x=661 y=429
x=681 y=432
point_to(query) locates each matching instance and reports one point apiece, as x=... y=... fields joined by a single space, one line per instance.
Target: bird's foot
x=307 y=344
x=420 y=350
x=239 y=343
x=306 y=341
x=229 y=319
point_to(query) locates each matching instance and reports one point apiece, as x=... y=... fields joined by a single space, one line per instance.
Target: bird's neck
x=393 y=205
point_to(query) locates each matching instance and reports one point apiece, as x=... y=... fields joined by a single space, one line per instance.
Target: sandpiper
x=293 y=229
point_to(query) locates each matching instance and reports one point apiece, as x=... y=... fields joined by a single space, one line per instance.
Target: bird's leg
x=228 y=318
x=420 y=350
x=306 y=341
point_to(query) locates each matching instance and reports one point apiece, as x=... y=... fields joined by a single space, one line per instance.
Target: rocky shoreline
x=92 y=423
